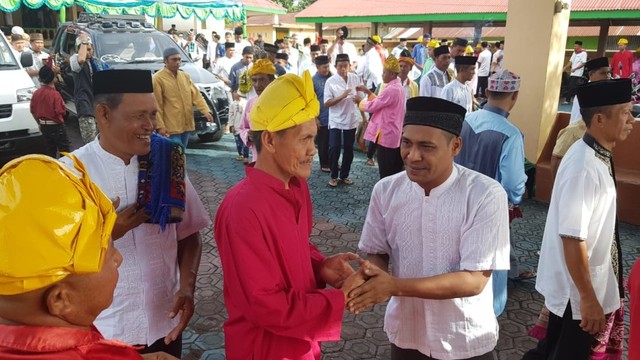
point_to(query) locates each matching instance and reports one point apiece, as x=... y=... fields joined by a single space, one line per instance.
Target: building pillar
x=427 y=28
x=63 y=14
x=477 y=32
x=319 y=30
x=602 y=39
x=375 y=27
x=536 y=23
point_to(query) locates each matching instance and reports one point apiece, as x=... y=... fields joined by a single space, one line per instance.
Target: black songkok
x=342 y=57
x=466 y=60
x=435 y=112
x=444 y=49
x=122 y=82
x=229 y=45
x=597 y=63
x=578 y=42
x=270 y=48
x=282 y=56
x=604 y=93
x=460 y=42
x=322 y=60
x=314 y=48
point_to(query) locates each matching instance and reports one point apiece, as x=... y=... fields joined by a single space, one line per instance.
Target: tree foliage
x=294 y=5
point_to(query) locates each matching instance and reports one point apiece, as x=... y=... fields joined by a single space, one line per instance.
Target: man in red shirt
x=47 y=107
x=274 y=278
x=63 y=270
x=622 y=62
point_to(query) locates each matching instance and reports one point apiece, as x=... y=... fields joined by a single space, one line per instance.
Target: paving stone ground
x=338 y=219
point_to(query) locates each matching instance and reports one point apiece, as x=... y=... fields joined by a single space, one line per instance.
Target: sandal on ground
x=240 y=158
x=370 y=162
x=333 y=182
x=347 y=181
x=325 y=169
x=525 y=275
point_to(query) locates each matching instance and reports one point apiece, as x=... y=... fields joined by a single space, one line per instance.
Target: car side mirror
x=26 y=59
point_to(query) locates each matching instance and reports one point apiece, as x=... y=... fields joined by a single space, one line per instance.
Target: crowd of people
x=108 y=268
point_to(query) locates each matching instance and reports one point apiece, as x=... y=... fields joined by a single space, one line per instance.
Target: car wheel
x=211 y=137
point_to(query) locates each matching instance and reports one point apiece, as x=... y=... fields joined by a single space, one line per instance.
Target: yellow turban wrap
x=468 y=50
x=392 y=64
x=433 y=44
x=377 y=39
x=53 y=222
x=288 y=101
x=262 y=66
x=623 y=41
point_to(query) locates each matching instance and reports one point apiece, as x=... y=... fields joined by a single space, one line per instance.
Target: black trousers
x=174 y=348
x=574 y=82
x=483 y=82
x=371 y=149
x=566 y=339
x=389 y=161
x=411 y=354
x=322 y=139
x=341 y=140
x=55 y=139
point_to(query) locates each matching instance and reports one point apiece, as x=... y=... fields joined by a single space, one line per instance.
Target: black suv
x=128 y=42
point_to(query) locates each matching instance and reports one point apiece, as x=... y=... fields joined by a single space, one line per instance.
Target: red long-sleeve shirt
x=47 y=104
x=60 y=343
x=622 y=64
x=634 y=308
x=278 y=307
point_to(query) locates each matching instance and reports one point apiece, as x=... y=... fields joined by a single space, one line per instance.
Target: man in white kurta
x=370 y=70
x=435 y=234
x=459 y=91
x=432 y=83
x=149 y=277
x=580 y=271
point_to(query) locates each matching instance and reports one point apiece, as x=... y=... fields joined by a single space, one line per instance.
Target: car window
x=118 y=47
x=7 y=61
x=68 y=41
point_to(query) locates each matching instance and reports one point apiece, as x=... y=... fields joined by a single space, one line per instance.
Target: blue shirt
x=220 y=49
x=494 y=146
x=318 y=86
x=419 y=54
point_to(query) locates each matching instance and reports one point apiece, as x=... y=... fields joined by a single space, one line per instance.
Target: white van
x=19 y=132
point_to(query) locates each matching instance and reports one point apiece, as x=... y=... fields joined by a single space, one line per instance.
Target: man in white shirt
x=596 y=69
x=580 y=268
x=192 y=48
x=432 y=83
x=576 y=64
x=212 y=49
x=444 y=229
x=223 y=66
x=309 y=63
x=341 y=97
x=484 y=69
x=342 y=46
x=370 y=71
x=153 y=300
x=498 y=57
x=458 y=48
x=458 y=91
x=399 y=48
x=239 y=41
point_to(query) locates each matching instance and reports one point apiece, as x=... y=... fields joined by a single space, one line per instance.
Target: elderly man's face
x=342 y=67
x=295 y=148
x=126 y=130
x=618 y=122
x=388 y=75
x=428 y=154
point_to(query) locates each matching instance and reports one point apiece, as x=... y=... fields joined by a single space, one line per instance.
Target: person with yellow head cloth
x=274 y=278
x=262 y=73
x=58 y=270
x=430 y=60
x=385 y=127
x=622 y=61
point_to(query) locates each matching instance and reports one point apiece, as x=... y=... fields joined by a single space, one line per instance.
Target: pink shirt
x=245 y=127
x=388 y=114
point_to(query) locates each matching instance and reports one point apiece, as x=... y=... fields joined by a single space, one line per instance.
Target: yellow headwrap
x=288 y=101
x=433 y=44
x=377 y=39
x=392 y=64
x=623 y=41
x=262 y=66
x=53 y=223
x=468 y=50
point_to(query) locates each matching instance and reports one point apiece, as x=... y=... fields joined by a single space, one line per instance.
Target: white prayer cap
x=17 y=30
x=504 y=81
